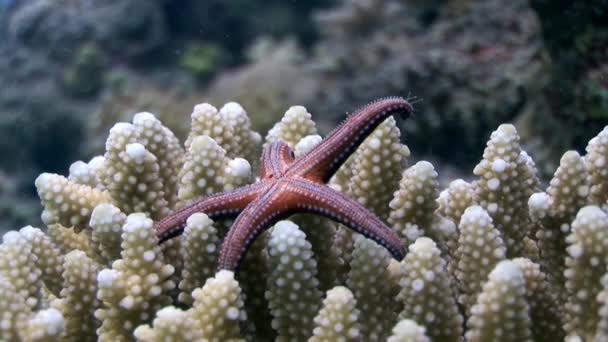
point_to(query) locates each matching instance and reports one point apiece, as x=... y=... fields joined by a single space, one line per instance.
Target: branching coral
x=135 y=178
x=555 y=209
x=200 y=247
x=13 y=308
x=214 y=316
x=205 y=120
x=414 y=204
x=79 y=297
x=48 y=257
x=369 y=280
x=501 y=312
x=337 y=319
x=161 y=142
x=87 y=173
x=543 y=301
x=66 y=239
x=45 y=326
x=584 y=268
x=18 y=265
x=106 y=223
x=98 y=273
x=595 y=160
x=66 y=202
x=294 y=126
x=136 y=285
x=505 y=183
x=218 y=308
x=298 y=130
x=229 y=127
x=454 y=200
x=380 y=154
x=427 y=294
x=602 y=326
x=292 y=268
x=208 y=170
x=480 y=247
x=170 y=323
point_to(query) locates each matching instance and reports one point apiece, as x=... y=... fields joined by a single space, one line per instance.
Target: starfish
x=288 y=185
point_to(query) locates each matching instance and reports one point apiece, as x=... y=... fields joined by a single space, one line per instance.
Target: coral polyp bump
x=496 y=257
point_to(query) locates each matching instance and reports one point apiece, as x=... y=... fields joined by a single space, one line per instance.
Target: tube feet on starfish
x=291 y=185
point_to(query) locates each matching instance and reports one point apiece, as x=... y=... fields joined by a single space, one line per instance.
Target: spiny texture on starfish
x=288 y=185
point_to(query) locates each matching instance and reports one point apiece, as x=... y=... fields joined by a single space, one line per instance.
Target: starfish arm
x=325 y=201
x=224 y=204
x=324 y=160
x=273 y=206
x=276 y=159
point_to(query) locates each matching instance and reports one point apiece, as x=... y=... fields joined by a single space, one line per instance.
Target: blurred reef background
x=70 y=69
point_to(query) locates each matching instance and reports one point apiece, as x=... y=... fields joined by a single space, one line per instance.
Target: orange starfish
x=288 y=186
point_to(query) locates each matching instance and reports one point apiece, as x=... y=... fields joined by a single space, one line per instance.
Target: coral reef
x=496 y=258
x=475 y=63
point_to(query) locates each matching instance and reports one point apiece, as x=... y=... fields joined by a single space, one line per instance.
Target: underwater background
x=70 y=69
x=467 y=201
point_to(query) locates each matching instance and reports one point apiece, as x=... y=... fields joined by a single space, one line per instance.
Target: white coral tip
x=295 y=110
x=425 y=166
x=120 y=127
x=590 y=211
x=475 y=211
x=104 y=212
x=408 y=327
x=203 y=142
x=499 y=165
x=134 y=222
x=539 y=200
x=340 y=293
x=569 y=156
x=127 y=303
x=306 y=144
x=136 y=151
x=11 y=237
x=224 y=275
x=52 y=319
x=284 y=227
x=106 y=277
x=507 y=129
x=78 y=167
x=240 y=168
x=29 y=232
x=43 y=180
x=458 y=182
x=198 y=219
x=232 y=313
x=506 y=271
x=232 y=108
x=169 y=313
x=422 y=245
x=97 y=162
x=143 y=116
x=575 y=251
x=203 y=108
